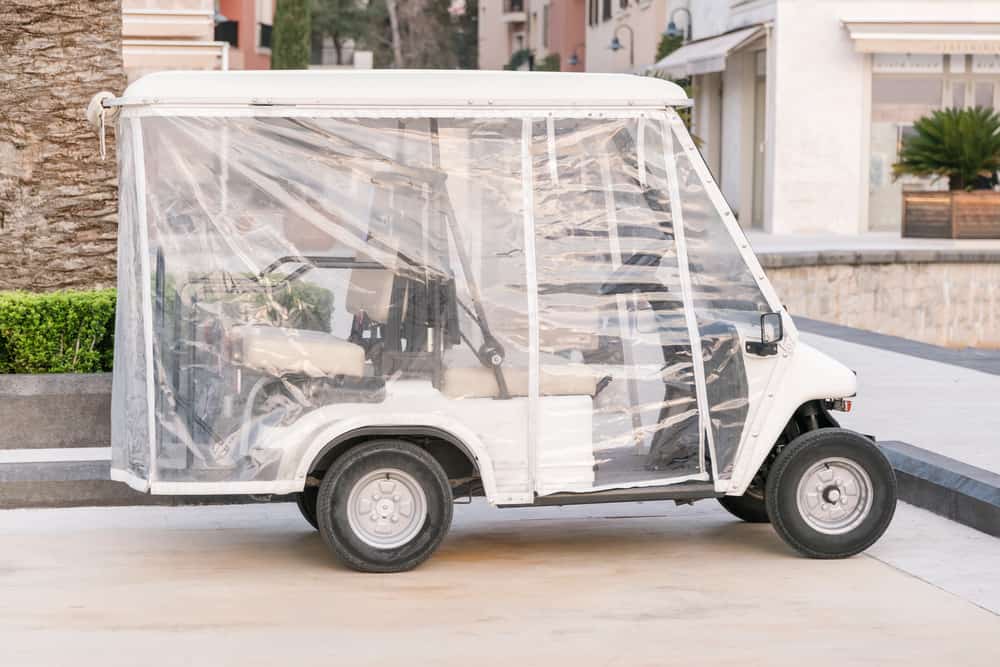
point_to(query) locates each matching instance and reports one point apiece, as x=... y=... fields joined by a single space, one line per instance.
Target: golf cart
x=381 y=291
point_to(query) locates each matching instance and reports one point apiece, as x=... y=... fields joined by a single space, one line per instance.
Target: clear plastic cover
x=130 y=441
x=728 y=304
x=513 y=282
x=609 y=294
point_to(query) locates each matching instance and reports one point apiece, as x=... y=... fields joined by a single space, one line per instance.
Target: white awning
x=894 y=36
x=705 y=55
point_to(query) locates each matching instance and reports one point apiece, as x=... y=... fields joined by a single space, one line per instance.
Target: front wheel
x=384 y=506
x=831 y=493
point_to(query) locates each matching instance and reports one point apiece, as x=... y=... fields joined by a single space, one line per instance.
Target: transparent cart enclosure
x=533 y=286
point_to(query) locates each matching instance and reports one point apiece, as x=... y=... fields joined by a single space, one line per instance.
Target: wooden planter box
x=952 y=215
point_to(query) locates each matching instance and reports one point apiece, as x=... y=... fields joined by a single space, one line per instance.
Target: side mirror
x=771 y=332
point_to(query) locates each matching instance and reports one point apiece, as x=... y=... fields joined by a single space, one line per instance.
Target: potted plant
x=962 y=145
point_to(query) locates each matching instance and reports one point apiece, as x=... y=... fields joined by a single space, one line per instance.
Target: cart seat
x=480 y=382
x=282 y=351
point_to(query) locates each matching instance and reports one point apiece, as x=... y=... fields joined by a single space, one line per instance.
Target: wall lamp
x=672 y=29
x=616 y=44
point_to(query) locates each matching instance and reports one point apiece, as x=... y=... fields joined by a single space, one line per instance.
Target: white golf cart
x=383 y=290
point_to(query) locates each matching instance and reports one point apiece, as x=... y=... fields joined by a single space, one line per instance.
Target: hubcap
x=386 y=508
x=834 y=496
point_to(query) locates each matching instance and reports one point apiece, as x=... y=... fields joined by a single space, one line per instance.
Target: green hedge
x=59 y=332
x=73 y=332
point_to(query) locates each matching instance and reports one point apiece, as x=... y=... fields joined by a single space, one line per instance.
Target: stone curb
x=952 y=489
x=792 y=259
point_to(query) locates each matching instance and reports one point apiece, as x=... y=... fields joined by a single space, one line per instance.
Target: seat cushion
x=480 y=382
x=281 y=351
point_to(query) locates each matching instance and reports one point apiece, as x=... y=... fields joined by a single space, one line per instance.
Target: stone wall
x=58 y=200
x=950 y=303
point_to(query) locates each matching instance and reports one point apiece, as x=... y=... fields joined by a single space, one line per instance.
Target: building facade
x=510 y=30
x=250 y=38
x=639 y=27
x=801 y=106
x=195 y=34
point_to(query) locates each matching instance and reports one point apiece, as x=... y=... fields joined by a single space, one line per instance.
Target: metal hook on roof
x=96 y=114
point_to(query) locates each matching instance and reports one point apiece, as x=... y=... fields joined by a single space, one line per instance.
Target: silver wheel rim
x=386 y=508
x=834 y=496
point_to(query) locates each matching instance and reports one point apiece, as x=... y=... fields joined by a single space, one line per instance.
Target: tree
x=290 y=35
x=960 y=144
x=465 y=35
x=422 y=33
x=339 y=20
x=58 y=200
x=668 y=44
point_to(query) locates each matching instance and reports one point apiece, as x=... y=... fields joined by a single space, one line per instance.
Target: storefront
x=801 y=108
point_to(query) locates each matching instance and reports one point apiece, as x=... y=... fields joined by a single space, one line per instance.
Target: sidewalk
x=764 y=243
x=635 y=584
x=944 y=407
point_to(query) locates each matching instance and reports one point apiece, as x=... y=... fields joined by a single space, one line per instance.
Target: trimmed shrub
x=290 y=35
x=58 y=332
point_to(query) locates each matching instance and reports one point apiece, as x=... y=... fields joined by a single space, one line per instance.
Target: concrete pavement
x=942 y=407
x=650 y=584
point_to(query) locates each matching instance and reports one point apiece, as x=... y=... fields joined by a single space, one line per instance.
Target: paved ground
x=250 y=585
x=947 y=408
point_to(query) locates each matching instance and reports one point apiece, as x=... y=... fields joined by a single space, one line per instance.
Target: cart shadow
x=541 y=541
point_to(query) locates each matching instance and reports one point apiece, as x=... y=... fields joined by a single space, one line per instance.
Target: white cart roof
x=408 y=88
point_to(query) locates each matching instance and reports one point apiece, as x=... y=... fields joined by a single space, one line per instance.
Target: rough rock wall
x=953 y=304
x=58 y=200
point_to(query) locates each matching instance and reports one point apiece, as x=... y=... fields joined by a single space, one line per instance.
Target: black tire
x=796 y=460
x=306 y=500
x=360 y=462
x=750 y=507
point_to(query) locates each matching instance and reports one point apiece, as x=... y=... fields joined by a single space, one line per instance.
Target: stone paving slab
x=985 y=361
x=946 y=408
x=636 y=584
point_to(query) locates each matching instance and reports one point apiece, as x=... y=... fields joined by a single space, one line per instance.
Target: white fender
x=805 y=374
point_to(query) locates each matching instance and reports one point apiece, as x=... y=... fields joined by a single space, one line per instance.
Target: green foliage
x=340 y=20
x=960 y=144
x=60 y=332
x=290 y=35
x=465 y=36
x=668 y=44
x=298 y=305
x=518 y=58
x=549 y=63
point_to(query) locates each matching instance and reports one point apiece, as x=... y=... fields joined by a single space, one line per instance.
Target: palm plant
x=960 y=144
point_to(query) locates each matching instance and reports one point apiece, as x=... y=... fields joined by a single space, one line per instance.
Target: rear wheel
x=750 y=507
x=831 y=493
x=384 y=506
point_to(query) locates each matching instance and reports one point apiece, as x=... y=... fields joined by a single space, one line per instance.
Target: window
x=592 y=12
x=958 y=94
x=606 y=10
x=984 y=94
x=264 y=11
x=903 y=99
